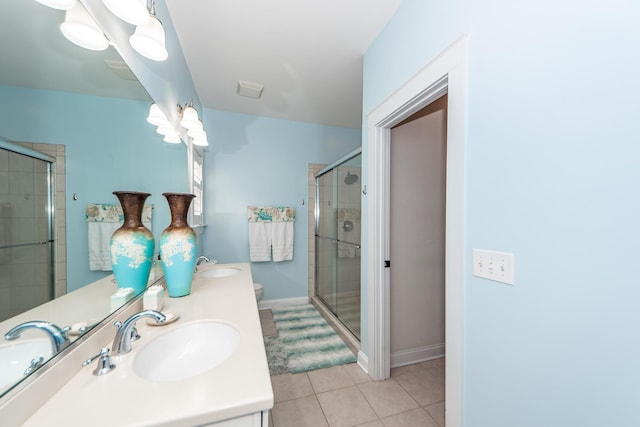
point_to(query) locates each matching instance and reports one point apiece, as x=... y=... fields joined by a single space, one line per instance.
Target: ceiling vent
x=121 y=69
x=250 y=90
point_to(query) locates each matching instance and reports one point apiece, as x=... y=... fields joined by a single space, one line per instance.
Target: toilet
x=259 y=290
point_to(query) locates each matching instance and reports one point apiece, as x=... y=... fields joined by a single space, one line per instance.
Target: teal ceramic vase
x=132 y=244
x=178 y=246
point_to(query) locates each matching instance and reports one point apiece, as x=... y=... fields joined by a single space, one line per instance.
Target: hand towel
x=99 y=238
x=270 y=233
x=103 y=220
x=260 y=241
x=282 y=241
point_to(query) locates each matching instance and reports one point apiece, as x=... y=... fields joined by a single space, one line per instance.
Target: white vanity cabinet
x=236 y=393
x=260 y=419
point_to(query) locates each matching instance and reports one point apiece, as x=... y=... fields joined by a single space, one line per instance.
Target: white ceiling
x=307 y=54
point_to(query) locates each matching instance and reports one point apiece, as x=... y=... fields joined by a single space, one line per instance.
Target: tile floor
x=345 y=396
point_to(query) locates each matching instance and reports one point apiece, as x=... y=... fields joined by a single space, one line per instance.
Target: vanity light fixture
x=189 y=117
x=156 y=117
x=149 y=39
x=80 y=28
x=132 y=11
x=201 y=139
x=190 y=121
x=196 y=131
x=58 y=4
x=172 y=138
x=166 y=129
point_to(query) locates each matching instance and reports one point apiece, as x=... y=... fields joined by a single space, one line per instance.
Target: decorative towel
x=103 y=219
x=270 y=233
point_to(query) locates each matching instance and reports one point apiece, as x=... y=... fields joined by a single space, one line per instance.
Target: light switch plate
x=492 y=265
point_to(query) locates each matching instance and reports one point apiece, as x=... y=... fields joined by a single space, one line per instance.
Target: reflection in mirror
x=63 y=106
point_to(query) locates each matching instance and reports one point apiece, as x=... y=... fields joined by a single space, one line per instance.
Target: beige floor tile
x=357 y=374
x=407 y=369
x=433 y=363
x=330 y=379
x=290 y=386
x=267 y=323
x=346 y=407
x=425 y=386
x=387 y=397
x=376 y=423
x=303 y=412
x=414 y=418
x=437 y=412
x=418 y=366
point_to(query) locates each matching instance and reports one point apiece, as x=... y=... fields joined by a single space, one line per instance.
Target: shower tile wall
x=23 y=219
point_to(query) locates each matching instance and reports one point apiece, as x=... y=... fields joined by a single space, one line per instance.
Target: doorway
x=445 y=74
x=417 y=199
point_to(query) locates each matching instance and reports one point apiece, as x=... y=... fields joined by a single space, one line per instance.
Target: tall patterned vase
x=178 y=246
x=132 y=244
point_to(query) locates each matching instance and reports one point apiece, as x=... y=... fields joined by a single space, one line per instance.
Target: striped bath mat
x=309 y=341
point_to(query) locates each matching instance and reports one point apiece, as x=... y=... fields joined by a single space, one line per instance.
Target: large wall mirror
x=86 y=111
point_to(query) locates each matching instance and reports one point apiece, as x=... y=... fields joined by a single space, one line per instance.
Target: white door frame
x=447 y=73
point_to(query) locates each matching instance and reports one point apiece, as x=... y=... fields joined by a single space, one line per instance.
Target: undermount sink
x=186 y=351
x=16 y=357
x=219 y=272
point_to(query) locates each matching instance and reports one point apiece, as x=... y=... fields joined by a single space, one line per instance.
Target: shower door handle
x=340 y=242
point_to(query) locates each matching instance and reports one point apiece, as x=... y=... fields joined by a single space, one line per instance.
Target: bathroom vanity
x=225 y=382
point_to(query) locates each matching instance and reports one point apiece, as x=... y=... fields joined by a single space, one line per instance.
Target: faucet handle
x=104 y=362
x=36 y=362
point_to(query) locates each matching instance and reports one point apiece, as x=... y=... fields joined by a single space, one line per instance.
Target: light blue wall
x=109 y=146
x=552 y=174
x=261 y=161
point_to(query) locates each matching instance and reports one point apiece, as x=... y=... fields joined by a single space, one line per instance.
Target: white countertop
x=240 y=385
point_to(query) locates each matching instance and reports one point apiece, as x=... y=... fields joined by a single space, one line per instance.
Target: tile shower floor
x=345 y=396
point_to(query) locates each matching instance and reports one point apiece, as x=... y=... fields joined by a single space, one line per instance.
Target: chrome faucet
x=200 y=260
x=127 y=330
x=57 y=335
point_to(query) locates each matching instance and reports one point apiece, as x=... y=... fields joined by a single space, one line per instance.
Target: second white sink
x=219 y=272
x=186 y=351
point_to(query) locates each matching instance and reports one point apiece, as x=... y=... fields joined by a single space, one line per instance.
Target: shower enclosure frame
x=345 y=329
x=50 y=240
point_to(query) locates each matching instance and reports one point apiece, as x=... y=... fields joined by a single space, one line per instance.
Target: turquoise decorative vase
x=178 y=246
x=132 y=244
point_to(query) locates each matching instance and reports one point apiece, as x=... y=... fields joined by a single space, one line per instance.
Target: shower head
x=351 y=178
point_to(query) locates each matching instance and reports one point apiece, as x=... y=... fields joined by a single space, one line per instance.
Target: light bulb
x=156 y=116
x=148 y=40
x=80 y=28
x=190 y=118
x=58 y=4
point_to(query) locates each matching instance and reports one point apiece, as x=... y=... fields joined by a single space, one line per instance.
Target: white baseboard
x=277 y=303
x=415 y=355
x=363 y=362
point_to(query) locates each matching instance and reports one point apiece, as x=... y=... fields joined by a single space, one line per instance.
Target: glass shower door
x=338 y=241
x=26 y=234
x=326 y=236
x=348 y=244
